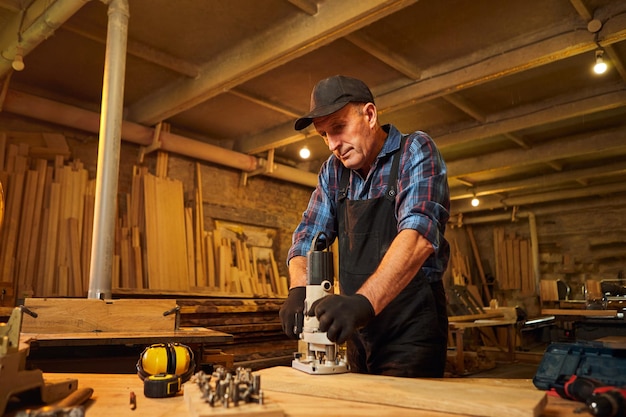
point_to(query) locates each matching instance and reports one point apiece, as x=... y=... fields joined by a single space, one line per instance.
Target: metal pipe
x=66 y=115
x=43 y=27
x=110 y=138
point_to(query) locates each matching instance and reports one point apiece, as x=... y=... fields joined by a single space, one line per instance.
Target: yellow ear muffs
x=166 y=358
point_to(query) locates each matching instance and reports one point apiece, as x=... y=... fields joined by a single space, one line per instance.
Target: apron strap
x=392 y=186
x=343 y=182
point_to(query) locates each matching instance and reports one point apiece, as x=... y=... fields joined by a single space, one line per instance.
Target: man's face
x=349 y=134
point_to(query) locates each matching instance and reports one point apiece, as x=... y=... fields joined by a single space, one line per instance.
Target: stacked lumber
x=43 y=236
x=513 y=255
x=161 y=243
x=151 y=236
x=246 y=270
x=259 y=341
x=164 y=245
x=224 y=261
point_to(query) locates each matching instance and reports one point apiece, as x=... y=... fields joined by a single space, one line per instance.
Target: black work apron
x=409 y=337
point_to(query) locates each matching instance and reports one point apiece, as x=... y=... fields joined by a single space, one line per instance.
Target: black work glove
x=341 y=315
x=293 y=307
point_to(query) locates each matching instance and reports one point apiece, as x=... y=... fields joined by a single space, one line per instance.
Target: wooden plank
x=178 y=271
x=88 y=219
x=274 y=275
x=479 y=264
x=36 y=227
x=189 y=236
x=498 y=246
x=152 y=232
x=147 y=337
x=76 y=285
x=509 y=281
x=472 y=317
x=202 y=270
x=11 y=223
x=59 y=315
x=125 y=266
x=165 y=234
x=137 y=258
x=576 y=312
x=224 y=261
x=548 y=290
x=526 y=279
x=210 y=261
x=515 y=252
x=419 y=394
x=25 y=232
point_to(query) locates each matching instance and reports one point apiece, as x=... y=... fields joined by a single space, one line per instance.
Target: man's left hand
x=341 y=315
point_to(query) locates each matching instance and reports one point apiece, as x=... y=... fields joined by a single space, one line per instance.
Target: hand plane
x=322 y=356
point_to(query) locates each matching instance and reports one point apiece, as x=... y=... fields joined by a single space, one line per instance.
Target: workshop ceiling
x=505 y=88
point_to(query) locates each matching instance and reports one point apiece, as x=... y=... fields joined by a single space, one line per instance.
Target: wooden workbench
x=292 y=393
x=578 y=312
x=457 y=329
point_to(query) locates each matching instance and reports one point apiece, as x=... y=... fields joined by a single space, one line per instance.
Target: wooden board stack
x=161 y=244
x=513 y=255
x=164 y=246
x=47 y=207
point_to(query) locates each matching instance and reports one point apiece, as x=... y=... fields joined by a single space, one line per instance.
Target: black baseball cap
x=332 y=94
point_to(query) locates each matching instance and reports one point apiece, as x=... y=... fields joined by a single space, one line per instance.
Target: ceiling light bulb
x=18 y=60
x=305 y=153
x=600 y=66
x=475 y=202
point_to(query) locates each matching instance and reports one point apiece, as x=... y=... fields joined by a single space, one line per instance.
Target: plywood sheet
x=420 y=394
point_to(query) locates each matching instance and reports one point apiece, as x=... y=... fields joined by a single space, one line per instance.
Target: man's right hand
x=293 y=307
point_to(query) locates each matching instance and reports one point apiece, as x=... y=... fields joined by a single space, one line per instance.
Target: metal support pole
x=110 y=137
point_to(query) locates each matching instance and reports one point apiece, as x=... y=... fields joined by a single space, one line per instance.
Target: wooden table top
x=290 y=392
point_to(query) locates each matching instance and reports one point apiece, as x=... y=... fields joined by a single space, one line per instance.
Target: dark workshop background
x=505 y=89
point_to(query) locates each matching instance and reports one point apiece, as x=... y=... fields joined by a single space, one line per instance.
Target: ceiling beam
x=577 y=104
x=550 y=111
x=611 y=140
x=513 y=60
x=145 y=52
x=384 y=54
x=307 y=6
x=259 y=54
x=460 y=217
x=541 y=181
x=277 y=107
x=497 y=61
x=567 y=194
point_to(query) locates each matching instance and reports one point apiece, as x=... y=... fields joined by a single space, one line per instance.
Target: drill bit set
x=226 y=388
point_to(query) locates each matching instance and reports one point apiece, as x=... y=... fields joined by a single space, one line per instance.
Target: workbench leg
x=460 y=358
x=511 y=333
